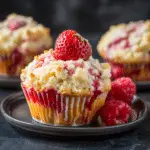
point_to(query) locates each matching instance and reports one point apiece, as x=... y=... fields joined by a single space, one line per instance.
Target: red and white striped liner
x=75 y=110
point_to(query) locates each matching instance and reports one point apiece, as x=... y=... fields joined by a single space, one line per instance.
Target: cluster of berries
x=117 y=107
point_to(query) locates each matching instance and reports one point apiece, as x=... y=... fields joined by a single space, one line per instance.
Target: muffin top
x=126 y=43
x=73 y=77
x=78 y=74
x=24 y=34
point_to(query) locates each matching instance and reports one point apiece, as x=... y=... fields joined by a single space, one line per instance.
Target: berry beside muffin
x=118 y=106
x=21 y=38
x=127 y=48
x=66 y=86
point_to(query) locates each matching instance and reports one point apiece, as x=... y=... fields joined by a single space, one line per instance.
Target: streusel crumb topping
x=68 y=77
x=24 y=34
x=127 y=42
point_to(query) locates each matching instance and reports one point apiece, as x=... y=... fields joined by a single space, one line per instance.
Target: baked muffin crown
x=72 y=77
x=21 y=32
x=126 y=43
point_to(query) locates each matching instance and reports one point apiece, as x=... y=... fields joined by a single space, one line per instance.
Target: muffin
x=21 y=39
x=127 y=48
x=66 y=86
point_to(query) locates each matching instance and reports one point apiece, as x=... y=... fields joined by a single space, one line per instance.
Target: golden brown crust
x=139 y=51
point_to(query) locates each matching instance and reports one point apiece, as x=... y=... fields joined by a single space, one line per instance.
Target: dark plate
x=143 y=85
x=15 y=110
x=9 y=82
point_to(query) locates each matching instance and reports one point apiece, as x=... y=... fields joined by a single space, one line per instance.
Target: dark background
x=91 y=18
x=85 y=16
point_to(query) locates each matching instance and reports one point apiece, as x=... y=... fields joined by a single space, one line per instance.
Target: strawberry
x=115 y=112
x=70 y=45
x=14 y=24
x=122 y=89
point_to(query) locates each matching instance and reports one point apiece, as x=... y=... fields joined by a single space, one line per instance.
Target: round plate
x=15 y=110
x=9 y=82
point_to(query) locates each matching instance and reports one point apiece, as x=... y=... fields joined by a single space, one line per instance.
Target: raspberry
x=71 y=46
x=14 y=24
x=123 y=89
x=115 y=112
x=117 y=72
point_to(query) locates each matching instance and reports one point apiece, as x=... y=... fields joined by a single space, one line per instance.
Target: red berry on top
x=117 y=72
x=14 y=24
x=70 y=45
x=115 y=112
x=122 y=89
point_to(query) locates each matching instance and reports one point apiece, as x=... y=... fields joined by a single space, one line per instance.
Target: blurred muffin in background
x=21 y=38
x=127 y=48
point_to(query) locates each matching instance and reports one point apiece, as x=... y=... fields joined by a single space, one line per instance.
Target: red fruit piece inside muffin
x=115 y=112
x=122 y=89
x=70 y=45
x=15 y=23
x=122 y=41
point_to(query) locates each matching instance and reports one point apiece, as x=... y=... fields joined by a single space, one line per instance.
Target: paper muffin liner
x=137 y=72
x=11 y=65
x=50 y=107
x=4 y=67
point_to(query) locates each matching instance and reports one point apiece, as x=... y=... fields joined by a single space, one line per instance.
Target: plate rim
x=61 y=129
x=9 y=77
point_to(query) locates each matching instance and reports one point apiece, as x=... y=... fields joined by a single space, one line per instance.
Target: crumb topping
x=127 y=42
x=67 y=77
x=22 y=33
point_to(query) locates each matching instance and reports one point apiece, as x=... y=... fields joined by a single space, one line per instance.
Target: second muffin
x=127 y=48
x=21 y=38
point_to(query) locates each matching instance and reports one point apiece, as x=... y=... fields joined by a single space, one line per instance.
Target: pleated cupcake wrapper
x=62 y=110
x=138 y=66
x=5 y=67
x=138 y=72
x=5 y=62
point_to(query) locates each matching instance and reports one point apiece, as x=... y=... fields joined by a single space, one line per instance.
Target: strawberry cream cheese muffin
x=127 y=48
x=21 y=38
x=66 y=86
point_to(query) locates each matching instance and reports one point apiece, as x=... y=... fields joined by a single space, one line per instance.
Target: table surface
x=138 y=139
